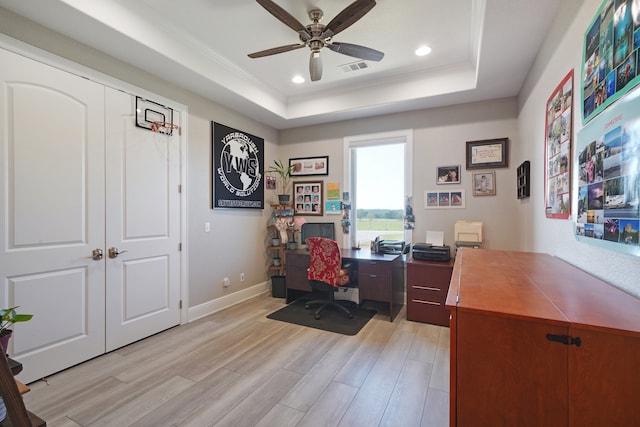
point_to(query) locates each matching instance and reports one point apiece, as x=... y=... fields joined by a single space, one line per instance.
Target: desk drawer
x=376 y=287
x=374 y=267
x=420 y=310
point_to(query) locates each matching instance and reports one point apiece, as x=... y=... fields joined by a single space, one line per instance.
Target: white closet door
x=51 y=213
x=78 y=176
x=143 y=219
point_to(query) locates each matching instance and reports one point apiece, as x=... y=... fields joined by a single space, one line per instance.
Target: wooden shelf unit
x=279 y=251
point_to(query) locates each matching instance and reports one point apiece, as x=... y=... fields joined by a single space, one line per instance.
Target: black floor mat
x=331 y=319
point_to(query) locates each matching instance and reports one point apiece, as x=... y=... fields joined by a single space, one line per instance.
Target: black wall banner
x=238 y=168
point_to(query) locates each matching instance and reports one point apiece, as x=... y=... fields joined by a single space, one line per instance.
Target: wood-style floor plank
x=238 y=368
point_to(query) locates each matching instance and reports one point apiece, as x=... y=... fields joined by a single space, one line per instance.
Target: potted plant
x=284 y=172
x=8 y=317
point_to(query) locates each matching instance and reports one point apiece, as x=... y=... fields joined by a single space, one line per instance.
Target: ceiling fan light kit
x=317 y=36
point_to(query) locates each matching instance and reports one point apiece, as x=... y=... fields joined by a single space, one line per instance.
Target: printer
x=468 y=234
x=429 y=252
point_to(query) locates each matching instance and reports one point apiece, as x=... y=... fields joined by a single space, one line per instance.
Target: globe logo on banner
x=238 y=166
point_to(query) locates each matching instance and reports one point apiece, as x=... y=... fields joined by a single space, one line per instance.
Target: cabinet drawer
x=374 y=267
x=429 y=275
x=419 y=310
x=429 y=293
x=374 y=287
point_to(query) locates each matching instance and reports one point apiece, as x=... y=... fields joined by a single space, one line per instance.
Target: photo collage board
x=607 y=158
x=610 y=55
x=558 y=129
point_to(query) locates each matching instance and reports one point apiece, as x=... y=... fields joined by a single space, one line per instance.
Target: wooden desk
x=380 y=277
x=538 y=342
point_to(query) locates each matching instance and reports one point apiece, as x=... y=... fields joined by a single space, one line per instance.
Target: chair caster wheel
x=317 y=317
x=306 y=306
x=350 y=316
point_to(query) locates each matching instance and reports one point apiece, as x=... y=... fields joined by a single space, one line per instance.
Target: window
x=379 y=180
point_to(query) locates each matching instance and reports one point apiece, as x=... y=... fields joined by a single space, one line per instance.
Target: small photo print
x=333 y=207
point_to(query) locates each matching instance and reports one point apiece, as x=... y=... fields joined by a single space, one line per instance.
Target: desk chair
x=326 y=273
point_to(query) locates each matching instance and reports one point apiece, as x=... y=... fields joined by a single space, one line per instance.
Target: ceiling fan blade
x=348 y=16
x=285 y=17
x=357 y=51
x=315 y=66
x=275 y=50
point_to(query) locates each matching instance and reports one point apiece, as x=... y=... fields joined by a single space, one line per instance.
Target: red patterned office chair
x=326 y=273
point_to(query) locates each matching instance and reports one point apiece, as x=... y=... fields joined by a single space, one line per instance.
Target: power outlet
x=242 y=277
x=226 y=282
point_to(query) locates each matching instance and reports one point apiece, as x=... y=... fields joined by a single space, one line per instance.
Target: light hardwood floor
x=238 y=368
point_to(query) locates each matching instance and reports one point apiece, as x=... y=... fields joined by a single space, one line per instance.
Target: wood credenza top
x=541 y=287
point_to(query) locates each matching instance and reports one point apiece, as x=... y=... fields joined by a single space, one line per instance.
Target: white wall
x=439 y=139
x=561 y=52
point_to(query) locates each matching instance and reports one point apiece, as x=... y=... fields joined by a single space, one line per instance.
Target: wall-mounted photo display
x=557 y=152
x=307 y=166
x=307 y=198
x=610 y=55
x=607 y=155
x=448 y=174
x=484 y=183
x=436 y=199
x=333 y=207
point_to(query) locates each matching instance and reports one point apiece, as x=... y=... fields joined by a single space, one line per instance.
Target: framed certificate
x=489 y=153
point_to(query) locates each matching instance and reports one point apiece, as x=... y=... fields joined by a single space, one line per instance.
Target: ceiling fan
x=316 y=35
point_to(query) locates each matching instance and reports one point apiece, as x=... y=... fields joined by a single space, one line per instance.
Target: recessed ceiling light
x=423 y=51
x=298 y=79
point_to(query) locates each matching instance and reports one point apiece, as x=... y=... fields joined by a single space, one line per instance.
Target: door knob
x=114 y=252
x=96 y=255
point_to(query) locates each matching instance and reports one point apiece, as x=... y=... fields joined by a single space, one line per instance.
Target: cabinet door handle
x=426 y=288
x=419 y=301
x=565 y=339
x=373 y=276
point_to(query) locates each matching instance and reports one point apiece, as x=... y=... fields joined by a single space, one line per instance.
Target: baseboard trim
x=210 y=307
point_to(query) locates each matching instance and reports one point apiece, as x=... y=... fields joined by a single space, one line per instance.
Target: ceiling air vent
x=354 y=66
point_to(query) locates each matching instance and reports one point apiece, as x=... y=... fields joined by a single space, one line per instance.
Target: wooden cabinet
x=427 y=287
x=536 y=341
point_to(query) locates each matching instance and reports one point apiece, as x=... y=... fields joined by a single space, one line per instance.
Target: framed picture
x=448 y=174
x=489 y=153
x=307 y=198
x=484 y=183
x=436 y=199
x=305 y=166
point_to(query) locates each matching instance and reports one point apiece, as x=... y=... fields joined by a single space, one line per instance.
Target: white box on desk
x=347 y=293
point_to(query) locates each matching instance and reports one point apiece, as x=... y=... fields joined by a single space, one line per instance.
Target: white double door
x=78 y=179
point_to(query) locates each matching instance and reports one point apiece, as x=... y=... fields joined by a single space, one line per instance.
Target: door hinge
x=565 y=339
x=180 y=305
x=179 y=247
x=179 y=188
